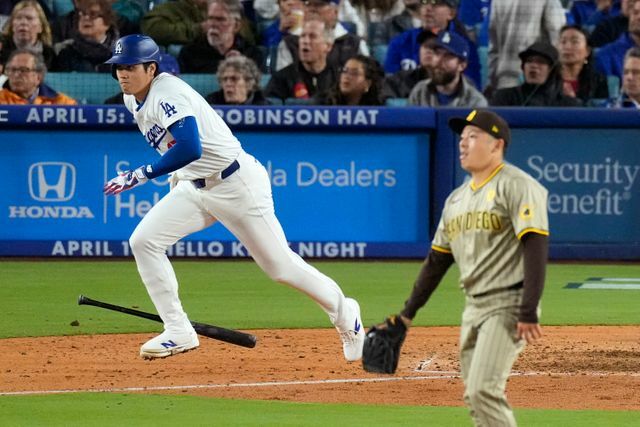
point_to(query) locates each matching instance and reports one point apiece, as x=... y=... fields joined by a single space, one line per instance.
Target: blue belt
x=201 y=182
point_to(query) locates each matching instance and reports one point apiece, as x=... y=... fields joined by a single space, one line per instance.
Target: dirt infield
x=586 y=367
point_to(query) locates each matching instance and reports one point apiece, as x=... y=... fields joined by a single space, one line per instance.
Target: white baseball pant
x=244 y=205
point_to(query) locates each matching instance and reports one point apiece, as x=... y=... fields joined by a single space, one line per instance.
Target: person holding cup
x=289 y=21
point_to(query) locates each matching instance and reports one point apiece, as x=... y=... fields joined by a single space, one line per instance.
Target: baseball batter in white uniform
x=213 y=179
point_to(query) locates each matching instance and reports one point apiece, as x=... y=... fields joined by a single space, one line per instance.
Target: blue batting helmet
x=134 y=49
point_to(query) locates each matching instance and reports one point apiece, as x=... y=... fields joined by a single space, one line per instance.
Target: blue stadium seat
x=174 y=49
x=271 y=59
x=483 y=56
x=598 y=102
x=614 y=86
x=274 y=101
x=379 y=52
x=86 y=88
x=264 y=81
x=397 y=102
x=204 y=84
x=377 y=33
x=60 y=7
x=298 y=101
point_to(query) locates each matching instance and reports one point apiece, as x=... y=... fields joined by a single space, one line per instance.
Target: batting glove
x=125 y=181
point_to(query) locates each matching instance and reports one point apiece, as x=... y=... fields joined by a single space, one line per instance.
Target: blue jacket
x=610 y=57
x=272 y=35
x=585 y=13
x=404 y=54
x=475 y=13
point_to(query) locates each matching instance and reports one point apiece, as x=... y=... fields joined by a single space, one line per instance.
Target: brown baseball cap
x=486 y=120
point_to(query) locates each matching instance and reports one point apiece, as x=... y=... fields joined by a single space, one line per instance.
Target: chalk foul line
x=434 y=375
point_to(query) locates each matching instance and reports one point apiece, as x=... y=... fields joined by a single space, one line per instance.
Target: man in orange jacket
x=25 y=72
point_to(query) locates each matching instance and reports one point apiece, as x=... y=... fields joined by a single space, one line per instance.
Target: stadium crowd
x=462 y=53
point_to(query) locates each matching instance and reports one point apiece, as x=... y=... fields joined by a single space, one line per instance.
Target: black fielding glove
x=382 y=345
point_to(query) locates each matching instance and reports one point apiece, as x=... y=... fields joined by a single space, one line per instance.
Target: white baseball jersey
x=171 y=99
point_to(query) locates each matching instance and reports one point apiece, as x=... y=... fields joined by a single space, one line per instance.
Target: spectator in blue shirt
x=630 y=96
x=289 y=21
x=609 y=29
x=610 y=57
x=474 y=14
x=436 y=15
x=589 y=13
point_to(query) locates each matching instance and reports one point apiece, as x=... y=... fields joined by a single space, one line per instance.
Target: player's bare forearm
x=530 y=332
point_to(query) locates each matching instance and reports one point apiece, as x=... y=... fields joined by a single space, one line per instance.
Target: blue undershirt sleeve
x=186 y=149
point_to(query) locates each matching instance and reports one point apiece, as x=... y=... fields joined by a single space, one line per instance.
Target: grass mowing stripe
x=158 y=410
x=40 y=298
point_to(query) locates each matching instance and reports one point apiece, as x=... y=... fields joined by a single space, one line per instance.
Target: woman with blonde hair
x=27 y=28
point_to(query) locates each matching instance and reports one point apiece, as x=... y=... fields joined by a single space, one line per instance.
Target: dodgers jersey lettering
x=481 y=227
x=170 y=99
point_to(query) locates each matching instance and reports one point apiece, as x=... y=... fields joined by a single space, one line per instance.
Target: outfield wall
x=347 y=182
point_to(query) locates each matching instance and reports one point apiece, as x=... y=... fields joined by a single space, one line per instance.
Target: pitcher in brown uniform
x=495 y=227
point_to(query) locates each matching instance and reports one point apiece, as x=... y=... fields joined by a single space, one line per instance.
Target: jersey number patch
x=169 y=110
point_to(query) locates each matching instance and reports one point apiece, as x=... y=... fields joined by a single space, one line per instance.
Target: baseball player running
x=495 y=228
x=213 y=179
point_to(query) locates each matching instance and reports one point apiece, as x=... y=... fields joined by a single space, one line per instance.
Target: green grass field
x=39 y=299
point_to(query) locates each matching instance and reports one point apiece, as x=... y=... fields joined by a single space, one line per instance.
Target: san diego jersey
x=170 y=99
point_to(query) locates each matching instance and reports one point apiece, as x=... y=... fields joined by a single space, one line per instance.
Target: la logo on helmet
x=118 y=48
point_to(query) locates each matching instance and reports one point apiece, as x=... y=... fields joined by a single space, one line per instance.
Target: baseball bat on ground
x=227 y=335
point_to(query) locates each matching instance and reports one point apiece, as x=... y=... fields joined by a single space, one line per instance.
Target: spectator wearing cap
x=400 y=84
x=610 y=57
x=513 y=26
x=542 y=85
x=630 y=96
x=222 y=40
x=447 y=87
x=25 y=72
x=239 y=79
x=312 y=75
x=436 y=16
x=345 y=44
